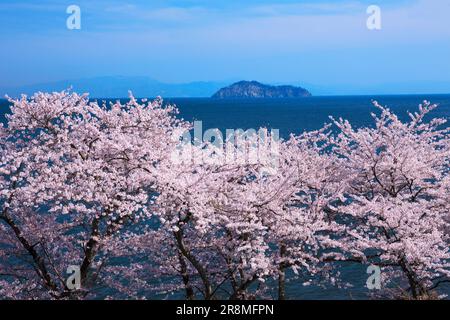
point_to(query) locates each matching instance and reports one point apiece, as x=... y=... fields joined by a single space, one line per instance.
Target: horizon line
x=253 y=99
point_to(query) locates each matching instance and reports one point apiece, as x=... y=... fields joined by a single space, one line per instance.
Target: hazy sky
x=317 y=42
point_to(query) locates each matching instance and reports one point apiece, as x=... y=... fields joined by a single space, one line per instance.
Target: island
x=255 y=89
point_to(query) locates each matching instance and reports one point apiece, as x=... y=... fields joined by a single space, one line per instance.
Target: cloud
x=303 y=9
x=171 y=14
x=315 y=24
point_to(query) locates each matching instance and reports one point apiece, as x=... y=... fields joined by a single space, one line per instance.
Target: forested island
x=255 y=89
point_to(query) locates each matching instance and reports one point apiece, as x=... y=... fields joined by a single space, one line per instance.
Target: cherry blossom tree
x=398 y=197
x=238 y=224
x=74 y=179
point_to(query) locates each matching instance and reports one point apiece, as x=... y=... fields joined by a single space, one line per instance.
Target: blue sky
x=318 y=42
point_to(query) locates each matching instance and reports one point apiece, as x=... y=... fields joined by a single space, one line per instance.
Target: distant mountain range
x=118 y=86
x=254 y=89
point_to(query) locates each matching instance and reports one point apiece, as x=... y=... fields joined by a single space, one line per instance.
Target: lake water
x=295 y=116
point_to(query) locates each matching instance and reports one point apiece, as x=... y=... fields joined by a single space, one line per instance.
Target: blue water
x=296 y=116
x=292 y=115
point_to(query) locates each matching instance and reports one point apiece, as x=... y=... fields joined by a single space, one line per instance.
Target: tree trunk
x=282 y=274
x=240 y=292
x=195 y=263
x=90 y=252
x=417 y=289
x=185 y=277
x=41 y=268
